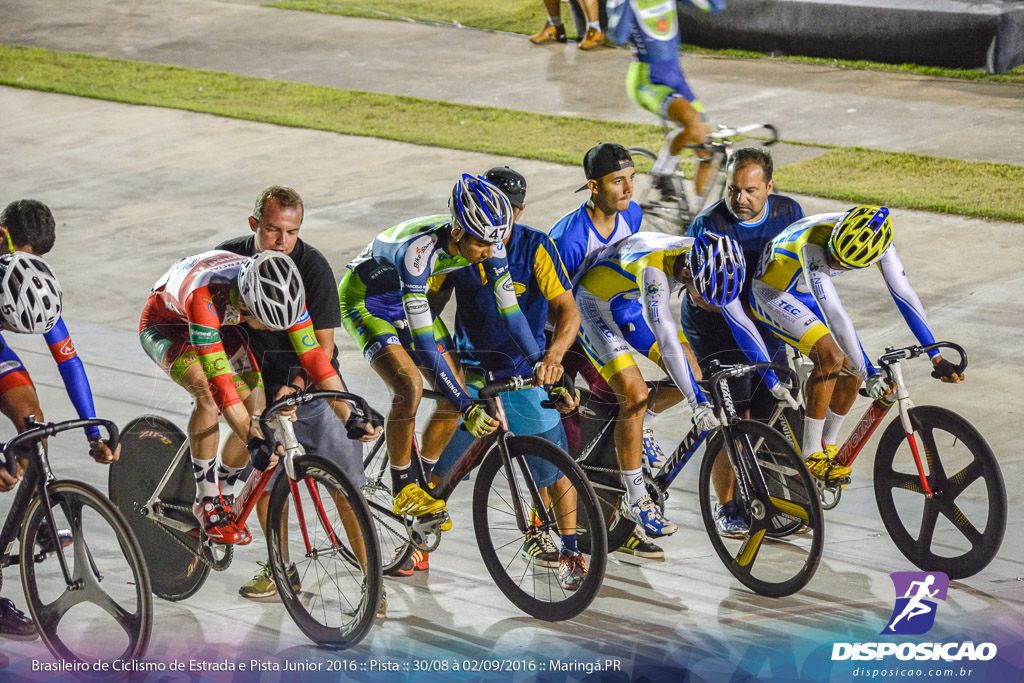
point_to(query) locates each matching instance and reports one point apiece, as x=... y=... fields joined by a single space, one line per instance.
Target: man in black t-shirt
x=275 y=222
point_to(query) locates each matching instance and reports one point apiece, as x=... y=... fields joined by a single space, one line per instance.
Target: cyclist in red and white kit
x=189 y=328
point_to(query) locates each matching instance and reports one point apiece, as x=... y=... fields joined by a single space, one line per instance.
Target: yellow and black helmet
x=861 y=236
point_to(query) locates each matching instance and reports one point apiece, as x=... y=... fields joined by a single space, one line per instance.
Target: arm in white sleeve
x=836 y=319
x=656 y=294
x=906 y=298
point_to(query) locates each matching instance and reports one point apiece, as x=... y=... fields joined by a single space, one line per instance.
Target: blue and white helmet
x=271 y=287
x=718 y=268
x=481 y=208
x=30 y=296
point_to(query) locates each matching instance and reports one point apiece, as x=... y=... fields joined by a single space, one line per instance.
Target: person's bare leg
x=694 y=132
x=396 y=368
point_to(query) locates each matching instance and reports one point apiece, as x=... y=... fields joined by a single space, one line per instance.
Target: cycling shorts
x=378 y=320
x=793 y=317
x=608 y=343
x=657 y=94
x=12 y=372
x=167 y=343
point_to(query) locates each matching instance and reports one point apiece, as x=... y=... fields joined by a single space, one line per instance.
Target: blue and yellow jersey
x=538 y=276
x=579 y=242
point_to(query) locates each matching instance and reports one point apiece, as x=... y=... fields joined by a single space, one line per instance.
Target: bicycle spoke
x=790 y=508
x=928 y=519
x=931 y=454
x=963 y=525
x=49 y=615
x=959 y=482
x=902 y=480
x=749 y=548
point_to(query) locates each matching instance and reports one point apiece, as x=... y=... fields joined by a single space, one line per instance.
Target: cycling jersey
x=579 y=242
x=793 y=292
x=537 y=275
x=76 y=383
x=387 y=284
x=198 y=290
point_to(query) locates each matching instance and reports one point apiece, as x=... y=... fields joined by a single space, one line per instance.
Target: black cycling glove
x=355 y=426
x=943 y=369
x=260 y=452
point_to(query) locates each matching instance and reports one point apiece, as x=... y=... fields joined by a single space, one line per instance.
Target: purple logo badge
x=916 y=593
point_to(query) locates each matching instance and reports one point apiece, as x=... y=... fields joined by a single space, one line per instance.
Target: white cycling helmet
x=481 y=208
x=271 y=288
x=30 y=296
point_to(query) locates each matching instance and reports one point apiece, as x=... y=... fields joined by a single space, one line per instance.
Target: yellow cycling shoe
x=413 y=500
x=825 y=468
x=831 y=451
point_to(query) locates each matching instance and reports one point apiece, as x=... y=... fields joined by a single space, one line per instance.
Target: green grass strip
x=528 y=16
x=850 y=174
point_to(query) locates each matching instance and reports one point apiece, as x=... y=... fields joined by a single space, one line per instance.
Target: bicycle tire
x=148 y=445
x=535 y=590
x=338 y=620
x=672 y=217
x=393 y=538
x=115 y=583
x=939 y=453
x=783 y=566
x=618 y=528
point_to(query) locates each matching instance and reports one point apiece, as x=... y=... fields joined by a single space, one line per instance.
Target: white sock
x=227 y=477
x=833 y=423
x=555 y=21
x=596 y=25
x=666 y=162
x=812 y=436
x=206 y=478
x=633 y=480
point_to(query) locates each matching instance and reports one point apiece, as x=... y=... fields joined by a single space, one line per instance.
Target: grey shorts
x=321 y=433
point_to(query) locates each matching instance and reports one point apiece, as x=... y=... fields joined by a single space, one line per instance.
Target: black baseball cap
x=605 y=158
x=511 y=182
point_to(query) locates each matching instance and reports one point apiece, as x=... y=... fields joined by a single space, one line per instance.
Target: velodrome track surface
x=134 y=188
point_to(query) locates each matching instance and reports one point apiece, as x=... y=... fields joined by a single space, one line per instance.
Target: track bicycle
x=773 y=491
x=670 y=208
x=504 y=495
x=319 y=532
x=83 y=571
x=931 y=466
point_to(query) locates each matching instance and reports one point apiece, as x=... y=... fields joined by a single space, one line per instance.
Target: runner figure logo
x=914 y=612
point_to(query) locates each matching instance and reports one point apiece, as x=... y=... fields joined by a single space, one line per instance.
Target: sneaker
x=413 y=500
x=262 y=585
x=539 y=549
x=382 y=608
x=728 y=521
x=647 y=515
x=213 y=517
x=825 y=468
x=14 y=622
x=666 y=188
x=594 y=38
x=653 y=454
x=639 y=545
x=572 y=569
x=45 y=544
x=419 y=561
x=549 y=33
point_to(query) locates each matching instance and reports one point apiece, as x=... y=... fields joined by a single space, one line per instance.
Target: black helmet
x=512 y=183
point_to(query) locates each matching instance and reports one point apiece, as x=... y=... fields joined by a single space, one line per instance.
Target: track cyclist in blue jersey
x=384 y=307
x=656 y=82
x=793 y=294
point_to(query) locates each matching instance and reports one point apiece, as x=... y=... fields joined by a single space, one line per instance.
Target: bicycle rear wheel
x=941 y=533
x=148 y=447
x=501 y=509
x=770 y=567
x=324 y=553
x=106 y=612
x=671 y=216
x=395 y=547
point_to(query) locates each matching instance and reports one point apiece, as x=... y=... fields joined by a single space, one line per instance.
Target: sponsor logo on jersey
x=416 y=307
x=508 y=285
x=65 y=350
x=9 y=366
x=653 y=289
x=371 y=350
x=308 y=341
x=520 y=288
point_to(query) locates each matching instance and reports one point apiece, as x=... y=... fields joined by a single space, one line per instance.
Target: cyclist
x=608 y=217
x=752 y=215
x=624 y=303
x=484 y=346
x=30 y=303
x=384 y=307
x=27 y=225
x=189 y=328
x=275 y=223
x=655 y=80
x=794 y=296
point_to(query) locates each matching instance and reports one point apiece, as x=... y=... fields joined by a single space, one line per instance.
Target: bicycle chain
x=198 y=555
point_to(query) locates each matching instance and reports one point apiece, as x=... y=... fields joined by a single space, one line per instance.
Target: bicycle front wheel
x=502 y=501
x=324 y=553
x=959 y=530
x=663 y=213
x=103 y=610
x=766 y=565
x=395 y=547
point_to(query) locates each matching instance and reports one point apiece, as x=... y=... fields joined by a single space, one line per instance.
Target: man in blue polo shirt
x=753 y=216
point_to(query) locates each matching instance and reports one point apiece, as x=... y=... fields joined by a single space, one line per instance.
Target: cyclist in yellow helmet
x=793 y=294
